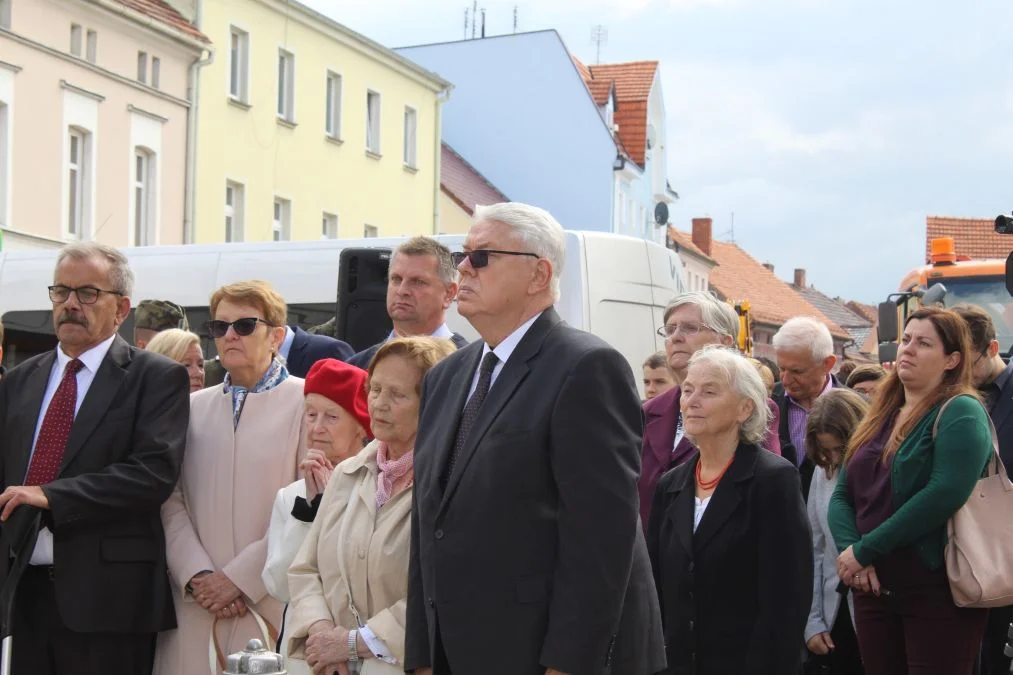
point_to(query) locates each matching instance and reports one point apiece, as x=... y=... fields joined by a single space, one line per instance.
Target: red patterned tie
x=55 y=430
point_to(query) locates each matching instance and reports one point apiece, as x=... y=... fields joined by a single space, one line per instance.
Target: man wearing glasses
x=92 y=435
x=527 y=557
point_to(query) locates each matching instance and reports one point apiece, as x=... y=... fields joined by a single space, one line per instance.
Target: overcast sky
x=829 y=129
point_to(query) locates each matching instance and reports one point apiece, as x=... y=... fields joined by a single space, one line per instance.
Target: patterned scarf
x=395 y=475
x=275 y=375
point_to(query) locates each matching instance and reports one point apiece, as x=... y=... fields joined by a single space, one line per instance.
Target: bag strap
x=995 y=465
x=939 y=416
x=216 y=657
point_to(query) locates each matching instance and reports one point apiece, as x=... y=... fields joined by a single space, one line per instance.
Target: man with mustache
x=91 y=435
x=421 y=284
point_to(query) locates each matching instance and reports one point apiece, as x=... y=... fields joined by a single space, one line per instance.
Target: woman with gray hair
x=692 y=321
x=729 y=540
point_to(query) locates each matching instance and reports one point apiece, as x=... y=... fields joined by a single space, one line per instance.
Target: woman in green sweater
x=897 y=490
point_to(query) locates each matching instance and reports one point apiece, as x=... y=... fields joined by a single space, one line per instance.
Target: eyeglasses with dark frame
x=86 y=295
x=479 y=257
x=243 y=327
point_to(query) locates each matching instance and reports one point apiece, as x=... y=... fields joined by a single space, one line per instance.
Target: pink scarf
x=394 y=476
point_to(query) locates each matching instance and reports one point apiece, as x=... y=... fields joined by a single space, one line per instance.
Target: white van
x=613 y=286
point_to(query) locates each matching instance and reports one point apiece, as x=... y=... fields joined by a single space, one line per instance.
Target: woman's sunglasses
x=479 y=258
x=243 y=327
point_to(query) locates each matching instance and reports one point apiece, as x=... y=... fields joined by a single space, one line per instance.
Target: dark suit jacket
x=533 y=558
x=121 y=462
x=735 y=594
x=1002 y=417
x=363 y=358
x=307 y=349
x=788 y=449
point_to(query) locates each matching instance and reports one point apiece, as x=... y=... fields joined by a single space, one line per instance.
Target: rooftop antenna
x=483 y=22
x=515 y=18
x=466 y=10
x=730 y=233
x=599 y=36
x=474 y=13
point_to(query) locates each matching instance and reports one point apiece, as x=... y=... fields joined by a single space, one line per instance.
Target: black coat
x=533 y=558
x=735 y=594
x=363 y=358
x=121 y=462
x=307 y=349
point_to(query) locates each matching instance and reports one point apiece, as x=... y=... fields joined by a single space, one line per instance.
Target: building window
x=75 y=39
x=144 y=209
x=333 y=112
x=5 y=13
x=282 y=228
x=370 y=232
x=239 y=60
x=77 y=184
x=92 y=46
x=373 y=122
x=329 y=229
x=234 y=205
x=156 y=71
x=4 y=156
x=286 y=85
x=411 y=121
x=142 y=67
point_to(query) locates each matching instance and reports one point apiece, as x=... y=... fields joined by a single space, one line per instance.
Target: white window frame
x=142 y=178
x=281 y=229
x=370 y=231
x=76 y=39
x=332 y=104
x=237 y=83
x=77 y=185
x=142 y=67
x=91 y=41
x=235 y=211
x=156 y=71
x=286 y=85
x=329 y=226
x=411 y=137
x=374 y=116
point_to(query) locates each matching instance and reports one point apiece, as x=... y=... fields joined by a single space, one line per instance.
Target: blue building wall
x=521 y=115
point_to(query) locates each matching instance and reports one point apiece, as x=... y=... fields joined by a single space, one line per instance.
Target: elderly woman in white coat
x=337 y=421
x=244 y=443
x=349 y=582
x=830 y=630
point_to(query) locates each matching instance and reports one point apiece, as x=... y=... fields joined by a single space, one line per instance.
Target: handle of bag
x=216 y=657
x=995 y=466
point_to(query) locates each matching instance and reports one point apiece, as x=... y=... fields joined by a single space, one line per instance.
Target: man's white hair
x=745 y=381
x=536 y=228
x=804 y=333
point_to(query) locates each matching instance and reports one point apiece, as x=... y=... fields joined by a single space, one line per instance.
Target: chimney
x=769 y=266
x=800 y=277
x=702 y=228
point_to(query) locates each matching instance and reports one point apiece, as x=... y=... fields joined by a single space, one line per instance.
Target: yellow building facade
x=308 y=130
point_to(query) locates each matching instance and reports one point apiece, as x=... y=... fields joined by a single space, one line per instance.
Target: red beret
x=342 y=383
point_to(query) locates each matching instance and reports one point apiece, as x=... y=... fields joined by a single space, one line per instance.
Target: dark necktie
x=471 y=410
x=55 y=431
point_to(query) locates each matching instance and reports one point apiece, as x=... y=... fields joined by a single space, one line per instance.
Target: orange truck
x=951 y=280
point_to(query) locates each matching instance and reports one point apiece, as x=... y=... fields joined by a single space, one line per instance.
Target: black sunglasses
x=479 y=258
x=243 y=327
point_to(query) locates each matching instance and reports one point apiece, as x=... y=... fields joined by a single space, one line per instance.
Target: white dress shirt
x=442 y=332
x=503 y=351
x=92 y=359
x=286 y=344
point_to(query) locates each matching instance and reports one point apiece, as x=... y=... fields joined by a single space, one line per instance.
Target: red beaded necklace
x=710 y=484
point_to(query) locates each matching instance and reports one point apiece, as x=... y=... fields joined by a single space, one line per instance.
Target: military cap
x=159 y=315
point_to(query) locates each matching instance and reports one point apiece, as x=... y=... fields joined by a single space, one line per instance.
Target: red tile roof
x=868 y=311
x=685 y=240
x=739 y=276
x=974 y=237
x=633 y=82
x=164 y=12
x=464 y=184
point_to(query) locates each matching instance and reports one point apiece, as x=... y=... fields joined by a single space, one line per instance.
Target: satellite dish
x=661 y=214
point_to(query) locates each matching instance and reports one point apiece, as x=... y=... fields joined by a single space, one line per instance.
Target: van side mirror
x=887 y=352
x=888 y=327
x=934 y=295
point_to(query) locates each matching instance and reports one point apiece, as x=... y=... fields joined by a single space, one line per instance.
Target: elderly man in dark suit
x=527 y=556
x=994 y=378
x=421 y=284
x=91 y=434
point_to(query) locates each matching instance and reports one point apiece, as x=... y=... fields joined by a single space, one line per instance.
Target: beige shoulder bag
x=979 y=546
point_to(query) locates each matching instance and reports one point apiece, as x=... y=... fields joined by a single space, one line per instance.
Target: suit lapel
x=660 y=427
x=100 y=395
x=31 y=402
x=1004 y=406
x=295 y=352
x=680 y=510
x=453 y=406
x=514 y=371
x=727 y=497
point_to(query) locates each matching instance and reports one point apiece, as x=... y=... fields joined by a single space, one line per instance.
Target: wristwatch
x=353 y=649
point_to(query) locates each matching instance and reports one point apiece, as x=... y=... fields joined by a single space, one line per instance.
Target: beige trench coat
x=349 y=541
x=217 y=517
